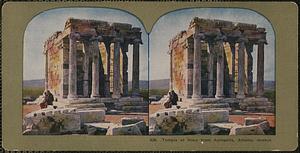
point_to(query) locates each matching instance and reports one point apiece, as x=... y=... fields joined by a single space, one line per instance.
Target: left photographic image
x=85 y=71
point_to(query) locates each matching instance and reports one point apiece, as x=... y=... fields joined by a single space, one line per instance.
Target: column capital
x=242 y=39
x=262 y=41
x=199 y=35
x=118 y=39
x=74 y=36
x=137 y=41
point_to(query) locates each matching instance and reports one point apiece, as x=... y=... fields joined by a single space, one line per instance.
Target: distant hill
x=40 y=83
x=153 y=84
x=159 y=84
x=34 y=83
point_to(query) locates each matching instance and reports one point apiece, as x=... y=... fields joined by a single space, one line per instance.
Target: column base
x=95 y=96
x=219 y=96
x=240 y=96
x=116 y=96
x=196 y=97
x=135 y=95
x=72 y=96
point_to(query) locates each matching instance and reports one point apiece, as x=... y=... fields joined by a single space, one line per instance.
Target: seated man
x=48 y=99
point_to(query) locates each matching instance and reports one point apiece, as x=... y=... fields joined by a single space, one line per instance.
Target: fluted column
x=232 y=80
x=72 y=87
x=95 y=70
x=210 y=70
x=116 y=69
x=260 y=68
x=220 y=67
x=135 y=68
x=249 y=48
x=241 y=67
x=107 y=83
x=197 y=66
x=86 y=49
x=125 y=68
x=189 y=69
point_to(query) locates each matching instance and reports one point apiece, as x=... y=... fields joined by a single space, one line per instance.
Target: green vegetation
x=270 y=94
x=33 y=91
x=160 y=92
x=143 y=92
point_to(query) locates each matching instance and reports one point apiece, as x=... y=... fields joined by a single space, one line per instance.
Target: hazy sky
x=42 y=26
x=45 y=24
x=172 y=23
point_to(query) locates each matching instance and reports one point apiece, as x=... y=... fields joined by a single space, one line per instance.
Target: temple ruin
x=213 y=59
x=88 y=59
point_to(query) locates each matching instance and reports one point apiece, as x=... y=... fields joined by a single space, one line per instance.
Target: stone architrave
x=260 y=68
x=232 y=91
x=72 y=88
x=241 y=67
x=220 y=67
x=116 y=69
x=86 y=49
x=135 y=68
x=107 y=84
x=125 y=68
x=95 y=70
x=197 y=65
x=210 y=70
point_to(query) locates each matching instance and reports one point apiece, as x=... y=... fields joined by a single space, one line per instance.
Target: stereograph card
x=150 y=76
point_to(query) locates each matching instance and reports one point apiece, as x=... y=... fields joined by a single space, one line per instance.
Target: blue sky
x=172 y=23
x=46 y=23
x=42 y=26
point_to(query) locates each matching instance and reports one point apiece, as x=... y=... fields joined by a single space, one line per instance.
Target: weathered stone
x=254 y=120
x=142 y=126
x=97 y=128
x=127 y=120
x=49 y=121
x=176 y=121
x=247 y=130
x=265 y=125
x=117 y=129
x=89 y=116
x=213 y=116
x=221 y=128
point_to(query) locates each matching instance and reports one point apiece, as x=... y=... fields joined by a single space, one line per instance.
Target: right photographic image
x=212 y=72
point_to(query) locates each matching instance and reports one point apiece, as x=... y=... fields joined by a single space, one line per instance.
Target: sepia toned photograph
x=218 y=76
x=83 y=71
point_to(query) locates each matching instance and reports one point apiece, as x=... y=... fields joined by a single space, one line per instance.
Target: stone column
x=220 y=68
x=197 y=66
x=95 y=70
x=86 y=69
x=260 y=68
x=232 y=86
x=116 y=69
x=249 y=48
x=125 y=68
x=189 y=69
x=46 y=70
x=241 y=67
x=210 y=70
x=72 y=88
x=107 y=83
x=135 y=68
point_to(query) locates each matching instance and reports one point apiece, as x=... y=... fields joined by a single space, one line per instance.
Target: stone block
x=221 y=128
x=247 y=130
x=176 y=121
x=118 y=129
x=44 y=122
x=265 y=126
x=90 y=116
x=132 y=120
x=97 y=128
x=142 y=126
x=214 y=116
x=254 y=120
